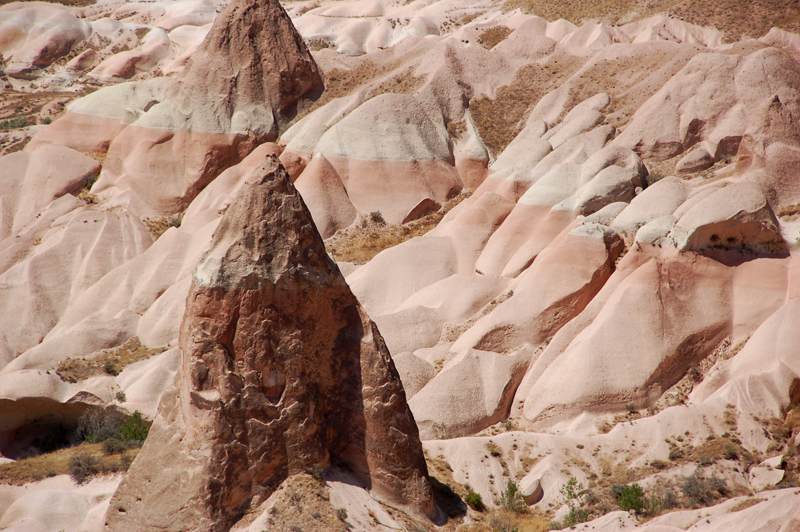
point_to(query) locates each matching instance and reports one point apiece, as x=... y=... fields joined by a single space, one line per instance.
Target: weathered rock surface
x=281 y=371
x=236 y=92
x=734 y=217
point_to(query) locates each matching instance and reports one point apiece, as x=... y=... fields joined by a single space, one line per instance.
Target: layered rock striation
x=281 y=372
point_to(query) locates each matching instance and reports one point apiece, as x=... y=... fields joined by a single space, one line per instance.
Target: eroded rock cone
x=282 y=371
x=250 y=75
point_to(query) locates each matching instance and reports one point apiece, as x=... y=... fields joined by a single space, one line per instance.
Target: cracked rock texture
x=281 y=372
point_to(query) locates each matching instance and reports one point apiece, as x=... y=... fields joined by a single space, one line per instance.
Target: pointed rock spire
x=281 y=371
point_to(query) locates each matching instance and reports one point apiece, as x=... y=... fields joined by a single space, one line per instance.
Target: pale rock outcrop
x=551 y=292
x=31 y=180
x=768 y=473
x=473 y=391
x=701 y=104
x=34 y=37
x=695 y=161
x=638 y=345
x=659 y=199
x=281 y=371
x=655 y=231
x=390 y=157
x=736 y=217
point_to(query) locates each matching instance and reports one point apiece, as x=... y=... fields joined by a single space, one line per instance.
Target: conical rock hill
x=281 y=372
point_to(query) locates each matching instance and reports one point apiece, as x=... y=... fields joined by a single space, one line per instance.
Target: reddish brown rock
x=281 y=371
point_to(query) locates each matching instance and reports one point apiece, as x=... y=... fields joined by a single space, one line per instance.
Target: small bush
x=97 y=425
x=377 y=217
x=82 y=467
x=341 y=513
x=631 y=498
x=134 y=428
x=659 y=464
x=511 y=498
x=494 y=450
x=113 y=446
x=121 y=397
x=703 y=491
x=654 y=177
x=47 y=121
x=630 y=408
x=475 y=501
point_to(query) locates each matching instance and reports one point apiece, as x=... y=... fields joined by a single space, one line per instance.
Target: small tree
x=573 y=493
x=134 y=428
x=631 y=498
x=511 y=498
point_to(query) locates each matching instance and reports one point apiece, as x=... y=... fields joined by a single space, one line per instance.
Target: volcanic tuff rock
x=246 y=82
x=281 y=371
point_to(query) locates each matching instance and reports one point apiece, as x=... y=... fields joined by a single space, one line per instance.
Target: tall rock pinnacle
x=250 y=75
x=281 y=371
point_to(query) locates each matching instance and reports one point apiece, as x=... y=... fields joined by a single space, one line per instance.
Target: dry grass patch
x=158 y=226
x=789 y=211
x=341 y=82
x=57 y=463
x=403 y=83
x=735 y=18
x=360 y=244
x=746 y=503
x=493 y=36
x=302 y=502
x=501 y=119
x=315 y=45
x=504 y=520
x=108 y=361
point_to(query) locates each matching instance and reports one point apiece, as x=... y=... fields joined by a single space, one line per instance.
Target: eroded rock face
x=242 y=87
x=282 y=371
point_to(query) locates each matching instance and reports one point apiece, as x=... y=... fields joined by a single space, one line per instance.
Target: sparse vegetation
x=14 y=123
x=361 y=244
x=475 y=501
x=491 y=37
x=109 y=361
x=654 y=177
x=35 y=468
x=501 y=118
x=702 y=491
x=493 y=449
x=511 y=498
x=159 y=226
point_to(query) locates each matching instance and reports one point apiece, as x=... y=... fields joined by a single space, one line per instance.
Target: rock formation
x=242 y=87
x=281 y=372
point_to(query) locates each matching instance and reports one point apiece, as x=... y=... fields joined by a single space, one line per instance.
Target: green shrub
x=134 y=428
x=82 y=466
x=631 y=498
x=341 y=513
x=475 y=501
x=511 y=498
x=377 y=217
